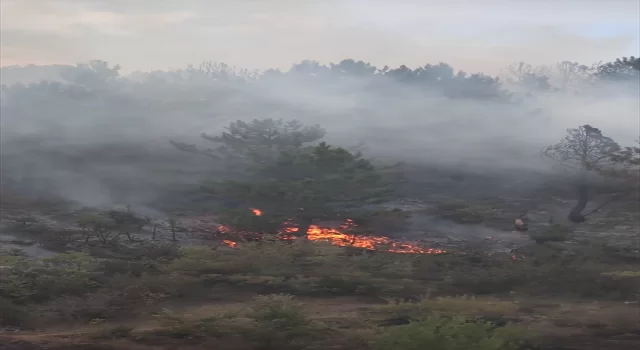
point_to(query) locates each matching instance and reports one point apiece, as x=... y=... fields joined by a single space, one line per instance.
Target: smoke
x=105 y=145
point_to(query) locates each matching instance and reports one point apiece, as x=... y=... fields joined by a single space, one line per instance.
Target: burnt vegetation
x=238 y=224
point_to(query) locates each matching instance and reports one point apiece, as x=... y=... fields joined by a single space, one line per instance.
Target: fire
x=231 y=244
x=339 y=238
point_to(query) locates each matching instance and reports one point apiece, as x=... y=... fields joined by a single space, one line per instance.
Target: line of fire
x=338 y=236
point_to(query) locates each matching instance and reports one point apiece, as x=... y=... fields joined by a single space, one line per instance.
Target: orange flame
x=231 y=244
x=339 y=238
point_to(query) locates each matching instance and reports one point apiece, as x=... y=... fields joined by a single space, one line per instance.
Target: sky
x=259 y=34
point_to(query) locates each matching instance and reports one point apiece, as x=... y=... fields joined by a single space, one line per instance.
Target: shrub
x=466 y=306
x=464 y=213
x=280 y=322
x=553 y=233
x=28 y=281
x=436 y=333
x=14 y=315
x=103 y=228
x=79 y=309
x=180 y=326
x=280 y=312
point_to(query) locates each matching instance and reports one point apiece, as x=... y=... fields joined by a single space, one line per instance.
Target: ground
x=566 y=325
x=198 y=293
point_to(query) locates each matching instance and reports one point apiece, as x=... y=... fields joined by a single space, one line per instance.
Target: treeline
x=348 y=76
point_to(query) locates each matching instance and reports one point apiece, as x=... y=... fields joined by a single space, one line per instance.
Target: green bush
x=27 y=281
x=281 y=323
x=436 y=333
x=279 y=312
x=180 y=326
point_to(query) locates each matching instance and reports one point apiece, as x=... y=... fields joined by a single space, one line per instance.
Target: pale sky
x=470 y=35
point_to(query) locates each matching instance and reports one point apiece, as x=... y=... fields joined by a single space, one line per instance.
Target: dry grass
x=357 y=319
x=468 y=306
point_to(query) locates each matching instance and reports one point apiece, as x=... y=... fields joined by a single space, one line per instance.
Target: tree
x=254 y=142
x=127 y=222
x=94 y=76
x=625 y=69
x=529 y=77
x=304 y=185
x=103 y=228
x=567 y=74
x=309 y=69
x=583 y=149
x=352 y=68
x=626 y=165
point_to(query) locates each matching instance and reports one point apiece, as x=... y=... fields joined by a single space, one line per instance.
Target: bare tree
x=566 y=74
x=173 y=227
x=101 y=227
x=128 y=223
x=583 y=149
x=528 y=76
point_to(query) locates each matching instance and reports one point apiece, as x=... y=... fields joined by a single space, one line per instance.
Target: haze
x=99 y=139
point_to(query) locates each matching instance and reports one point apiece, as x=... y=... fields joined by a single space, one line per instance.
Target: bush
x=79 y=309
x=279 y=312
x=13 y=315
x=145 y=290
x=464 y=213
x=27 y=281
x=436 y=333
x=554 y=233
x=180 y=326
x=466 y=306
x=280 y=322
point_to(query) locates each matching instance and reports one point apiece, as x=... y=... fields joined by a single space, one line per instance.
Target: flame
x=231 y=244
x=339 y=238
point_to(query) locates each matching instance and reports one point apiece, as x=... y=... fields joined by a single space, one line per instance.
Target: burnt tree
x=583 y=149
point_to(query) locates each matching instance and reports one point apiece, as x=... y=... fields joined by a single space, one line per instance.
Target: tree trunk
x=303 y=228
x=153 y=234
x=583 y=198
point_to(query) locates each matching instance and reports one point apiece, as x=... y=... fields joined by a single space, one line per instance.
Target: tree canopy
x=256 y=142
x=625 y=68
x=303 y=185
x=626 y=165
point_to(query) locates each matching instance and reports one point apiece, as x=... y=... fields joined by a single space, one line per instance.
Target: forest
x=339 y=206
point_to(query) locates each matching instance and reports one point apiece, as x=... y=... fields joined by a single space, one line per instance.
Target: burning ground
x=338 y=236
